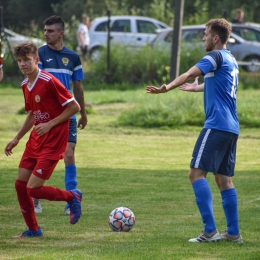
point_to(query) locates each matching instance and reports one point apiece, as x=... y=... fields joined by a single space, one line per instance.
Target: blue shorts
x=73 y=131
x=215 y=151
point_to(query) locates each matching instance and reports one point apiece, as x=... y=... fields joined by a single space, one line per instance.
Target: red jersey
x=46 y=99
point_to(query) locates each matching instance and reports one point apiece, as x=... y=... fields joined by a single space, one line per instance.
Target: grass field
x=143 y=169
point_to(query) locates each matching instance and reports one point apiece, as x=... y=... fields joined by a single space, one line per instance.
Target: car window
x=194 y=35
x=161 y=26
x=121 y=26
x=168 y=38
x=247 y=34
x=102 y=27
x=145 y=26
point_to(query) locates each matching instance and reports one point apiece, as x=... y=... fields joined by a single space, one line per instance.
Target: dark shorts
x=84 y=51
x=73 y=131
x=215 y=151
x=41 y=168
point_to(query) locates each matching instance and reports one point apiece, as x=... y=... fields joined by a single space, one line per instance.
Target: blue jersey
x=64 y=65
x=220 y=71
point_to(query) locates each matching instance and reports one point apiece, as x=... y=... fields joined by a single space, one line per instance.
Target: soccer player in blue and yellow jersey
x=65 y=65
x=215 y=149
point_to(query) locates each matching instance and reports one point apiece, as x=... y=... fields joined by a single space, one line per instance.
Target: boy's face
x=28 y=64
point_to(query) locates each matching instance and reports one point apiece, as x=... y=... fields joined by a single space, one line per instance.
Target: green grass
x=143 y=169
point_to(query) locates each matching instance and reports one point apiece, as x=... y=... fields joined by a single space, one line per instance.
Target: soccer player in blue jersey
x=65 y=65
x=215 y=149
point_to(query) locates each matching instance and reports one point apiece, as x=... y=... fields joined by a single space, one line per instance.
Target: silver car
x=243 y=51
x=247 y=31
x=15 y=38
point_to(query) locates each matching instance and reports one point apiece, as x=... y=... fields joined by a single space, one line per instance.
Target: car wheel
x=252 y=68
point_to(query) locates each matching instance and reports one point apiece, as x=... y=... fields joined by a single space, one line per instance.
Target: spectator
x=1 y=70
x=239 y=18
x=83 y=36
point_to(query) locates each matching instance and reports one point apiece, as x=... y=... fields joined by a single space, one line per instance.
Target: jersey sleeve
x=77 y=71
x=212 y=61
x=60 y=91
x=40 y=63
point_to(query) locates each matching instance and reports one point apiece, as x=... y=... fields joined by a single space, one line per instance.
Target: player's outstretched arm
x=179 y=81
x=192 y=87
x=28 y=124
x=155 y=90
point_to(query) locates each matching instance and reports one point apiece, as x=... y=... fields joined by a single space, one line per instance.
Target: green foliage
x=140 y=66
x=173 y=110
x=248 y=80
x=24 y=14
x=136 y=66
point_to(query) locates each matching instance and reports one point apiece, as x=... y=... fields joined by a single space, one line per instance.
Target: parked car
x=12 y=38
x=131 y=31
x=243 y=51
x=247 y=31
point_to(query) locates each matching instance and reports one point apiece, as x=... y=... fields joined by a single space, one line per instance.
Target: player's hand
x=155 y=90
x=42 y=128
x=10 y=146
x=190 y=87
x=82 y=123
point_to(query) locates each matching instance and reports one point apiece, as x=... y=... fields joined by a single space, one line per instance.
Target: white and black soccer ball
x=121 y=219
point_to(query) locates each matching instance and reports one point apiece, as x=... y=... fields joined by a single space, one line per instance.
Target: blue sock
x=70 y=177
x=205 y=204
x=229 y=203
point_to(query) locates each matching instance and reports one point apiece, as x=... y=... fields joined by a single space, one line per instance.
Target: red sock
x=50 y=193
x=26 y=205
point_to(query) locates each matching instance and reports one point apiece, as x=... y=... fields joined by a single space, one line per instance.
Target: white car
x=12 y=38
x=131 y=31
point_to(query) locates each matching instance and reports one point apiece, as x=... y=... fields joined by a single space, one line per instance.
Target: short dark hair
x=220 y=27
x=24 y=49
x=55 y=19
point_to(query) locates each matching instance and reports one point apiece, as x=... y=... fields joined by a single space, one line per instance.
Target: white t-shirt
x=84 y=30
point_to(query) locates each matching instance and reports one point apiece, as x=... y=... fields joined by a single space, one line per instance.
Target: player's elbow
x=76 y=106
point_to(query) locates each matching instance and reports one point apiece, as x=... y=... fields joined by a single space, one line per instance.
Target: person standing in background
x=1 y=70
x=83 y=36
x=239 y=18
x=65 y=65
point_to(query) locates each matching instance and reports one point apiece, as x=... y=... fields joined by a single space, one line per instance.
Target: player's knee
x=20 y=186
x=34 y=192
x=69 y=157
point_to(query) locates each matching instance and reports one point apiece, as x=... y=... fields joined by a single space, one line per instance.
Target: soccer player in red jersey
x=49 y=106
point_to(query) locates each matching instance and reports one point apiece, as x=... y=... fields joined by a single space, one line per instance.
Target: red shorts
x=41 y=168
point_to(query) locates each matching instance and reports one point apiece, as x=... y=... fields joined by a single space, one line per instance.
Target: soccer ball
x=121 y=219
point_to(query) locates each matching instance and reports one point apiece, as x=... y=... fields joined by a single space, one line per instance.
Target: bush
x=172 y=110
x=141 y=66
